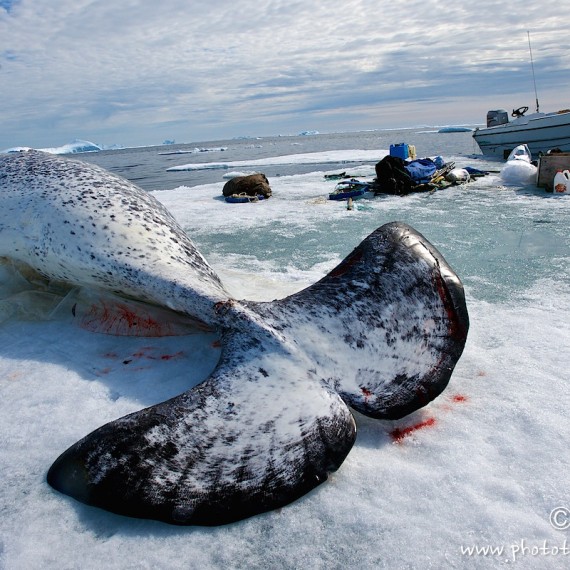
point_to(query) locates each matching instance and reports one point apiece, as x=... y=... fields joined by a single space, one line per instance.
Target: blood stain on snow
x=172 y=356
x=147 y=353
x=366 y=393
x=398 y=434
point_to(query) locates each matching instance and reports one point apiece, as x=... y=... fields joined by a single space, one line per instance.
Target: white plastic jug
x=562 y=182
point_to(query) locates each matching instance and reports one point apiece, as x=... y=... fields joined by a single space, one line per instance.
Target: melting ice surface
x=324 y=157
x=482 y=466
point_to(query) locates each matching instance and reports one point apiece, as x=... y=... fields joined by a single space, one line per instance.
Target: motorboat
x=541 y=132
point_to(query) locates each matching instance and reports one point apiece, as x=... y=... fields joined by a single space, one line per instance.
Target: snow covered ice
x=485 y=464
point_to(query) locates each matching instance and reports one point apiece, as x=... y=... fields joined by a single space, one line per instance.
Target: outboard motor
x=498 y=117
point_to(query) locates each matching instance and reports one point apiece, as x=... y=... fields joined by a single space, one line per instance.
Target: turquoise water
x=500 y=239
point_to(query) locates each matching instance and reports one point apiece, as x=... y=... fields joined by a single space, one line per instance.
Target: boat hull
x=540 y=132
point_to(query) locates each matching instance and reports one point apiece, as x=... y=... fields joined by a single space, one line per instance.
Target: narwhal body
x=381 y=333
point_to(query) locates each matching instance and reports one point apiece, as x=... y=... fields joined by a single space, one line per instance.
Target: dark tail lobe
x=386 y=327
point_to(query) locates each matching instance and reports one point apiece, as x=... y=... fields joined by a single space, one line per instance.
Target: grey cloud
x=271 y=64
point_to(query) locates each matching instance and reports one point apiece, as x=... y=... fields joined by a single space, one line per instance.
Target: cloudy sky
x=141 y=71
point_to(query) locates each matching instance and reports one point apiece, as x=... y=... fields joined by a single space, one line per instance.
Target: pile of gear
x=400 y=173
x=397 y=176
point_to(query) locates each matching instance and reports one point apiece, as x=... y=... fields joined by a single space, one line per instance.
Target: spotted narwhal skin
x=81 y=225
x=381 y=333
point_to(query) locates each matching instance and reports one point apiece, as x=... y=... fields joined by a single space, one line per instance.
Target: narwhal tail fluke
x=259 y=433
x=386 y=327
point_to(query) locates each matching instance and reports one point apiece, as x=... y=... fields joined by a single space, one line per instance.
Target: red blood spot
x=216 y=344
x=121 y=319
x=367 y=393
x=139 y=354
x=146 y=352
x=459 y=398
x=172 y=356
x=481 y=373
x=399 y=434
x=129 y=316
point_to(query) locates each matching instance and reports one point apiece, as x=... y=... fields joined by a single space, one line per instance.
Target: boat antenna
x=532 y=67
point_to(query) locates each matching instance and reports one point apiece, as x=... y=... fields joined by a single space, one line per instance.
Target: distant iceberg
x=77 y=146
x=307 y=133
x=454 y=130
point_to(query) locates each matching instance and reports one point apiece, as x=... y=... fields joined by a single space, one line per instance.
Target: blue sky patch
x=8 y=4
